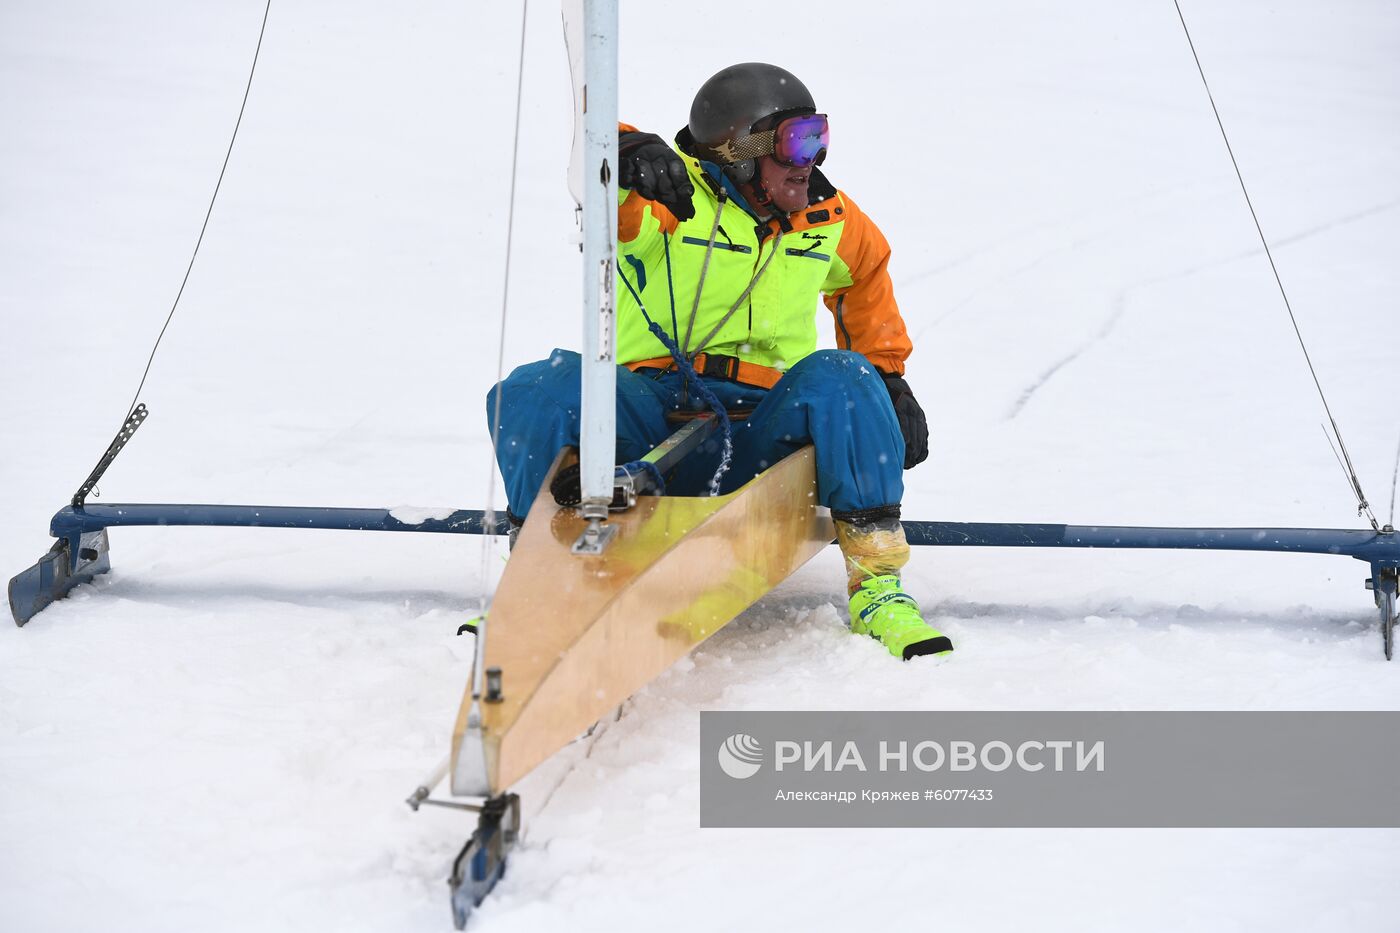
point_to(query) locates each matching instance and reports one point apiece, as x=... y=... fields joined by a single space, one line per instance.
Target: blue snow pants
x=832 y=399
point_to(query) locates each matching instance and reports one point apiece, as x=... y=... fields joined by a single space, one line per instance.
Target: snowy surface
x=219 y=735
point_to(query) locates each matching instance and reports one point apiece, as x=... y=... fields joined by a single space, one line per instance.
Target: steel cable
x=489 y=516
x=207 y=214
x=1362 y=506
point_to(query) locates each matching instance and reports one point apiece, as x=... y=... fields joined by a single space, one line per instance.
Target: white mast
x=593 y=180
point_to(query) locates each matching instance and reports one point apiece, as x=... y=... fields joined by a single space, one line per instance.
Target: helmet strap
x=762 y=198
x=761 y=195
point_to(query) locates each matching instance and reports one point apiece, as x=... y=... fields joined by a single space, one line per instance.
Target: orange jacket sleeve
x=860 y=294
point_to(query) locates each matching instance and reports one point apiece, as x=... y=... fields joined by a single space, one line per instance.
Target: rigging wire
x=1394 y=476
x=1328 y=435
x=262 y=30
x=489 y=518
x=136 y=412
x=1362 y=506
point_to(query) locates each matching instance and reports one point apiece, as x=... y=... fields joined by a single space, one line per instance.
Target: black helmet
x=729 y=104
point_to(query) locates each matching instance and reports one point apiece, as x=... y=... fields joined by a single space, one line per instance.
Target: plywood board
x=574 y=635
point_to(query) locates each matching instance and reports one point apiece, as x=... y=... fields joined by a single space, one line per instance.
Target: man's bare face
x=786 y=186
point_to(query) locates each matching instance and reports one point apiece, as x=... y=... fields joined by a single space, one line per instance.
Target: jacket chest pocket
x=810 y=263
x=730 y=267
x=729 y=270
x=720 y=245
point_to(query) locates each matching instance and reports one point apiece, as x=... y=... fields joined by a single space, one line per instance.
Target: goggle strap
x=750 y=147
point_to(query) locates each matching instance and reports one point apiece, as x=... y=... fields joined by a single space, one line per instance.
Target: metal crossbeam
x=81 y=551
x=70 y=521
x=1361 y=544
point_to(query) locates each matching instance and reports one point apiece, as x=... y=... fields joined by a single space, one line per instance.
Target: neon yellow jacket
x=833 y=251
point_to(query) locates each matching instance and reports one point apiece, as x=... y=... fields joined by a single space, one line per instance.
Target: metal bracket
x=664 y=456
x=625 y=489
x=133 y=421
x=595 y=538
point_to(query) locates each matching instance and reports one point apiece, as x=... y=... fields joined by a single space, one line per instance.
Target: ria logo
x=741 y=756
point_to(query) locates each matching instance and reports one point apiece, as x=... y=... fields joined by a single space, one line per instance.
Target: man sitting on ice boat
x=726 y=241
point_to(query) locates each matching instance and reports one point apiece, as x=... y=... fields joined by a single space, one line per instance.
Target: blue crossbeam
x=70 y=521
x=81 y=550
x=1380 y=549
x=1363 y=545
x=1370 y=546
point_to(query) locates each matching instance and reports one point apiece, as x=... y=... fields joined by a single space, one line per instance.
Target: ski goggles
x=796 y=142
x=802 y=141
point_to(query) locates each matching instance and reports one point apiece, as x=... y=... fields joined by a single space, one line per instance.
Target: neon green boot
x=881 y=609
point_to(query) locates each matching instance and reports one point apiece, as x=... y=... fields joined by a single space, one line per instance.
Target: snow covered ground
x=220 y=734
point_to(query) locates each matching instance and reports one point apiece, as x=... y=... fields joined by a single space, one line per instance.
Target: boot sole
x=940 y=645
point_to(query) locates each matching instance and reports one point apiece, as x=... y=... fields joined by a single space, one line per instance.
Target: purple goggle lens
x=802 y=141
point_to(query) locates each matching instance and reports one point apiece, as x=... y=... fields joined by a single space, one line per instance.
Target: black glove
x=651 y=168
x=912 y=423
